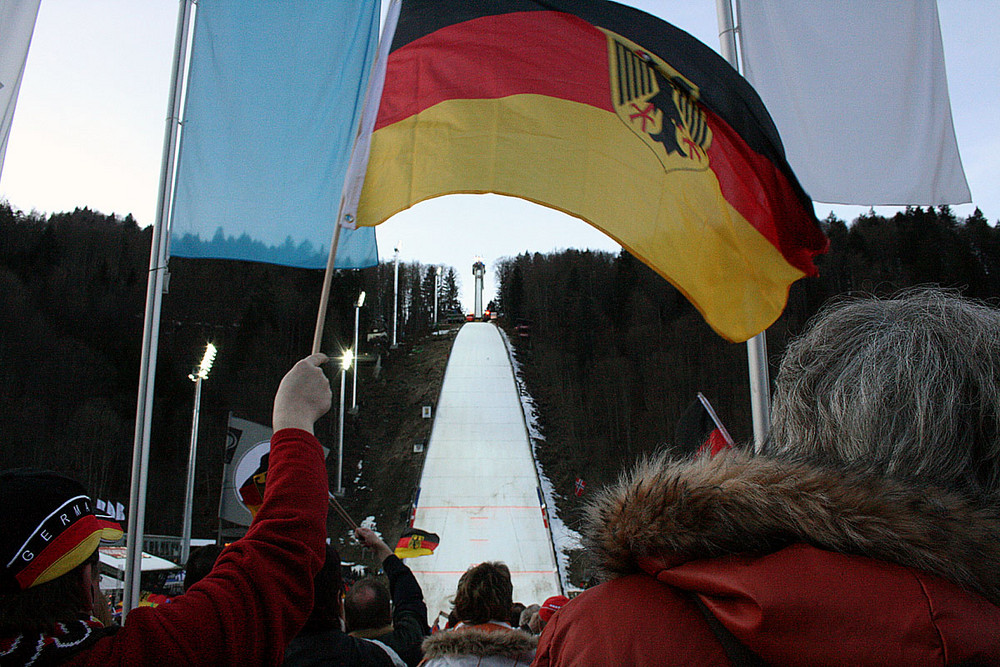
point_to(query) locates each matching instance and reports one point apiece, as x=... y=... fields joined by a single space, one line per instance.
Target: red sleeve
x=260 y=592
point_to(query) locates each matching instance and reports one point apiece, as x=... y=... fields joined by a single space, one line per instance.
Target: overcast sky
x=89 y=125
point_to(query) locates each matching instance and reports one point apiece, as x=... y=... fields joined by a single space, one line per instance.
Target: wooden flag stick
x=324 y=298
x=342 y=512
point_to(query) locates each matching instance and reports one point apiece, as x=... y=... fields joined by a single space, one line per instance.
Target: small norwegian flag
x=579 y=487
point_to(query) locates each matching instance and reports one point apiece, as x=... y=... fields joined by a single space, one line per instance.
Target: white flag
x=17 y=22
x=858 y=91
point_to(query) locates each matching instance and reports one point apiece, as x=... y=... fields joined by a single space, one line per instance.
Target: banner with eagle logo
x=608 y=114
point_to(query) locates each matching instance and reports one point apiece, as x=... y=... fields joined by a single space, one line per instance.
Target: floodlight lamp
x=206 y=362
x=347 y=359
x=361 y=299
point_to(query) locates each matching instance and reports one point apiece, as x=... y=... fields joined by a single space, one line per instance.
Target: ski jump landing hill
x=479 y=488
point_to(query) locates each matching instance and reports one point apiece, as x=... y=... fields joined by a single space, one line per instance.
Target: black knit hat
x=50 y=527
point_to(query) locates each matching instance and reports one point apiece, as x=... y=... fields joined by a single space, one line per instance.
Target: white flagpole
x=715 y=419
x=151 y=325
x=760 y=395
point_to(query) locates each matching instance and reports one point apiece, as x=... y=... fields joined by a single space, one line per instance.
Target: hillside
x=613 y=356
x=382 y=471
x=72 y=295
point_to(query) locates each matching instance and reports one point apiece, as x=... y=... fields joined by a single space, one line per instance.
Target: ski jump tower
x=478 y=270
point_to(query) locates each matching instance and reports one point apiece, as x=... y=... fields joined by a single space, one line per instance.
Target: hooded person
x=867 y=531
x=482 y=637
x=243 y=612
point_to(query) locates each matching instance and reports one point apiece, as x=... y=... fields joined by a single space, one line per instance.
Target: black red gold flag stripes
x=608 y=114
x=415 y=542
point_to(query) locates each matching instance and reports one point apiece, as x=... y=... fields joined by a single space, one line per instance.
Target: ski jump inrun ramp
x=479 y=489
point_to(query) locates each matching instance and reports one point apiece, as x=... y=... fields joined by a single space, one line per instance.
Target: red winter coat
x=260 y=592
x=772 y=550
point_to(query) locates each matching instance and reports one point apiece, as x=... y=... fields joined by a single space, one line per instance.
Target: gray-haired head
x=907 y=387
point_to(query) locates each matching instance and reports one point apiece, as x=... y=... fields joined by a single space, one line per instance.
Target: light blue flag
x=274 y=95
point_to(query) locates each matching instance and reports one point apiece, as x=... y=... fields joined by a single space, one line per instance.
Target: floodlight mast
x=354 y=376
x=196 y=376
x=395 y=297
x=345 y=365
x=437 y=288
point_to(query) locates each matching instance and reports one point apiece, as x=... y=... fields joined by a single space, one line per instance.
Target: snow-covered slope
x=479 y=490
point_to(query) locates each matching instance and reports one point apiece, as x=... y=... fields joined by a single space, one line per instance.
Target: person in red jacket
x=867 y=531
x=244 y=612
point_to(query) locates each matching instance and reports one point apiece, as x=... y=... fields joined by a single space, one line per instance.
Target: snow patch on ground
x=367 y=522
x=564 y=538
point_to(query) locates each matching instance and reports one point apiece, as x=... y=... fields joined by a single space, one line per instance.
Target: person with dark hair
x=866 y=532
x=515 y=614
x=399 y=621
x=368 y=607
x=323 y=642
x=199 y=563
x=243 y=612
x=483 y=637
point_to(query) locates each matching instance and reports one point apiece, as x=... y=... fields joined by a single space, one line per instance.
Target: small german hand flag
x=415 y=542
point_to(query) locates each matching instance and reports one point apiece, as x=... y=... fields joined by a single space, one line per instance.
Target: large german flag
x=606 y=113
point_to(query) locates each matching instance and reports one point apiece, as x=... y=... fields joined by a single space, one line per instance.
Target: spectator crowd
x=864 y=531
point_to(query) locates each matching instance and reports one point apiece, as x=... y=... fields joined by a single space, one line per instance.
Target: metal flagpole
x=760 y=394
x=151 y=324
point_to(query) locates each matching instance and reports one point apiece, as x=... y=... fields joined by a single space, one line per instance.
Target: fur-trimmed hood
x=472 y=640
x=678 y=511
